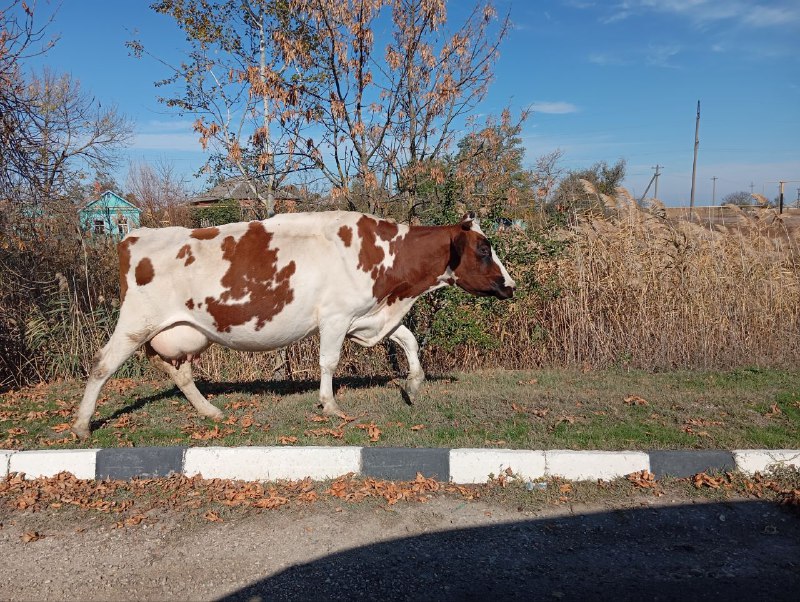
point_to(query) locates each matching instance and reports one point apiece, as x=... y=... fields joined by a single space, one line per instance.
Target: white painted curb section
x=49 y=462
x=5 y=456
x=270 y=463
x=475 y=465
x=759 y=460
x=592 y=465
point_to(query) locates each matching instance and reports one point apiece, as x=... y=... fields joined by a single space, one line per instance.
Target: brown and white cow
x=261 y=285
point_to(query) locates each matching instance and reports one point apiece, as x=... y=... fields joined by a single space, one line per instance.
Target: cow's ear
x=466 y=221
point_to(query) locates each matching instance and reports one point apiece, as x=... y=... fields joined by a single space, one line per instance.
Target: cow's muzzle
x=501 y=291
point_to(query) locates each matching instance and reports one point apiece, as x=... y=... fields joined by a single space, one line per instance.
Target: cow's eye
x=484 y=250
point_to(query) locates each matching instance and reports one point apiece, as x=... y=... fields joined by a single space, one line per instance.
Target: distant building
x=109 y=215
x=237 y=193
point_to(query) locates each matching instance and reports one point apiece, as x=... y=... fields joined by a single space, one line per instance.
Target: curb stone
x=461 y=466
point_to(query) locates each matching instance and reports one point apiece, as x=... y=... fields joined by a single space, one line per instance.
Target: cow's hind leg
x=416 y=376
x=119 y=348
x=182 y=377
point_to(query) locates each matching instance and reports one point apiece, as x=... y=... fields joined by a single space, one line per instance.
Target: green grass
x=742 y=408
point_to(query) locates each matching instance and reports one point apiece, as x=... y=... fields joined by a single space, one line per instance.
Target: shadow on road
x=718 y=551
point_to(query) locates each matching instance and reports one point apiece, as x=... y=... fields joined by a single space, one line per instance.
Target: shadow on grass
x=719 y=551
x=266 y=387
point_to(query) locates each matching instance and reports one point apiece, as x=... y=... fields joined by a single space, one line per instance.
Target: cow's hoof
x=411 y=387
x=215 y=416
x=332 y=408
x=82 y=431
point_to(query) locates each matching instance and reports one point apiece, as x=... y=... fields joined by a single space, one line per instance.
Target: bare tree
x=384 y=117
x=68 y=131
x=21 y=37
x=281 y=86
x=242 y=80
x=159 y=192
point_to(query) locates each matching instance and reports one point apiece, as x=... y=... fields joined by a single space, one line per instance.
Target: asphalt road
x=446 y=549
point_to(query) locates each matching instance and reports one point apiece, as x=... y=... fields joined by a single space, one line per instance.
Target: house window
x=122 y=225
x=99 y=226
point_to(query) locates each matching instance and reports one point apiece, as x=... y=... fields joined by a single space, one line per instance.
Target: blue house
x=110 y=215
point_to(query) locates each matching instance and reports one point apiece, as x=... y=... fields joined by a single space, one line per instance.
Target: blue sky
x=606 y=80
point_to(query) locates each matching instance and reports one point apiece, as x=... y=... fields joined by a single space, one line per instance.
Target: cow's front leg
x=330 y=349
x=416 y=376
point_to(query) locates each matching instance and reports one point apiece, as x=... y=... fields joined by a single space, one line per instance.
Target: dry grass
x=620 y=286
x=658 y=294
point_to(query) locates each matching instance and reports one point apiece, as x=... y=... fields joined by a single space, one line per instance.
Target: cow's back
x=250 y=285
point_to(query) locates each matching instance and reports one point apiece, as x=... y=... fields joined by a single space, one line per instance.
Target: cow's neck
x=420 y=264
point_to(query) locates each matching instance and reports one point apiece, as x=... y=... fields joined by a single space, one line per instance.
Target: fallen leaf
x=336 y=434
x=60 y=428
x=287 y=439
x=372 y=429
x=565 y=488
x=213 y=433
x=122 y=422
x=701 y=479
x=643 y=478
x=774 y=410
x=635 y=400
x=30 y=536
x=417 y=427
x=212 y=516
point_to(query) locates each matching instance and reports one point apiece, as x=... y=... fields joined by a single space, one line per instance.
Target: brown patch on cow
x=190 y=303
x=124 y=252
x=370 y=256
x=346 y=234
x=420 y=258
x=253 y=274
x=205 y=233
x=144 y=271
x=185 y=252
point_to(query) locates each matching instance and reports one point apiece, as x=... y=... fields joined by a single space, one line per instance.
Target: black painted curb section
x=687 y=463
x=403 y=463
x=130 y=462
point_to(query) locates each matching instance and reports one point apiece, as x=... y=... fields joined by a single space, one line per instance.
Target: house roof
x=109 y=199
x=237 y=189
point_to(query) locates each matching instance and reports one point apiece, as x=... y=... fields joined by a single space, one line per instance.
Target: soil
x=446 y=549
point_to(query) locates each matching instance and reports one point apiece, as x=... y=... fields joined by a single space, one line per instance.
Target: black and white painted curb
x=454 y=465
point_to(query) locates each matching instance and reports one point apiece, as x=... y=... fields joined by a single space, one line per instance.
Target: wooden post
x=694 y=164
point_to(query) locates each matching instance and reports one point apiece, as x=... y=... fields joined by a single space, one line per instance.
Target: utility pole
x=694 y=163
x=657 y=167
x=797 y=202
x=714 y=191
x=780 y=187
x=751 y=188
x=650 y=183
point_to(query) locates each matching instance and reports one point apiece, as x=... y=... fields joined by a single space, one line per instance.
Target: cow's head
x=474 y=264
